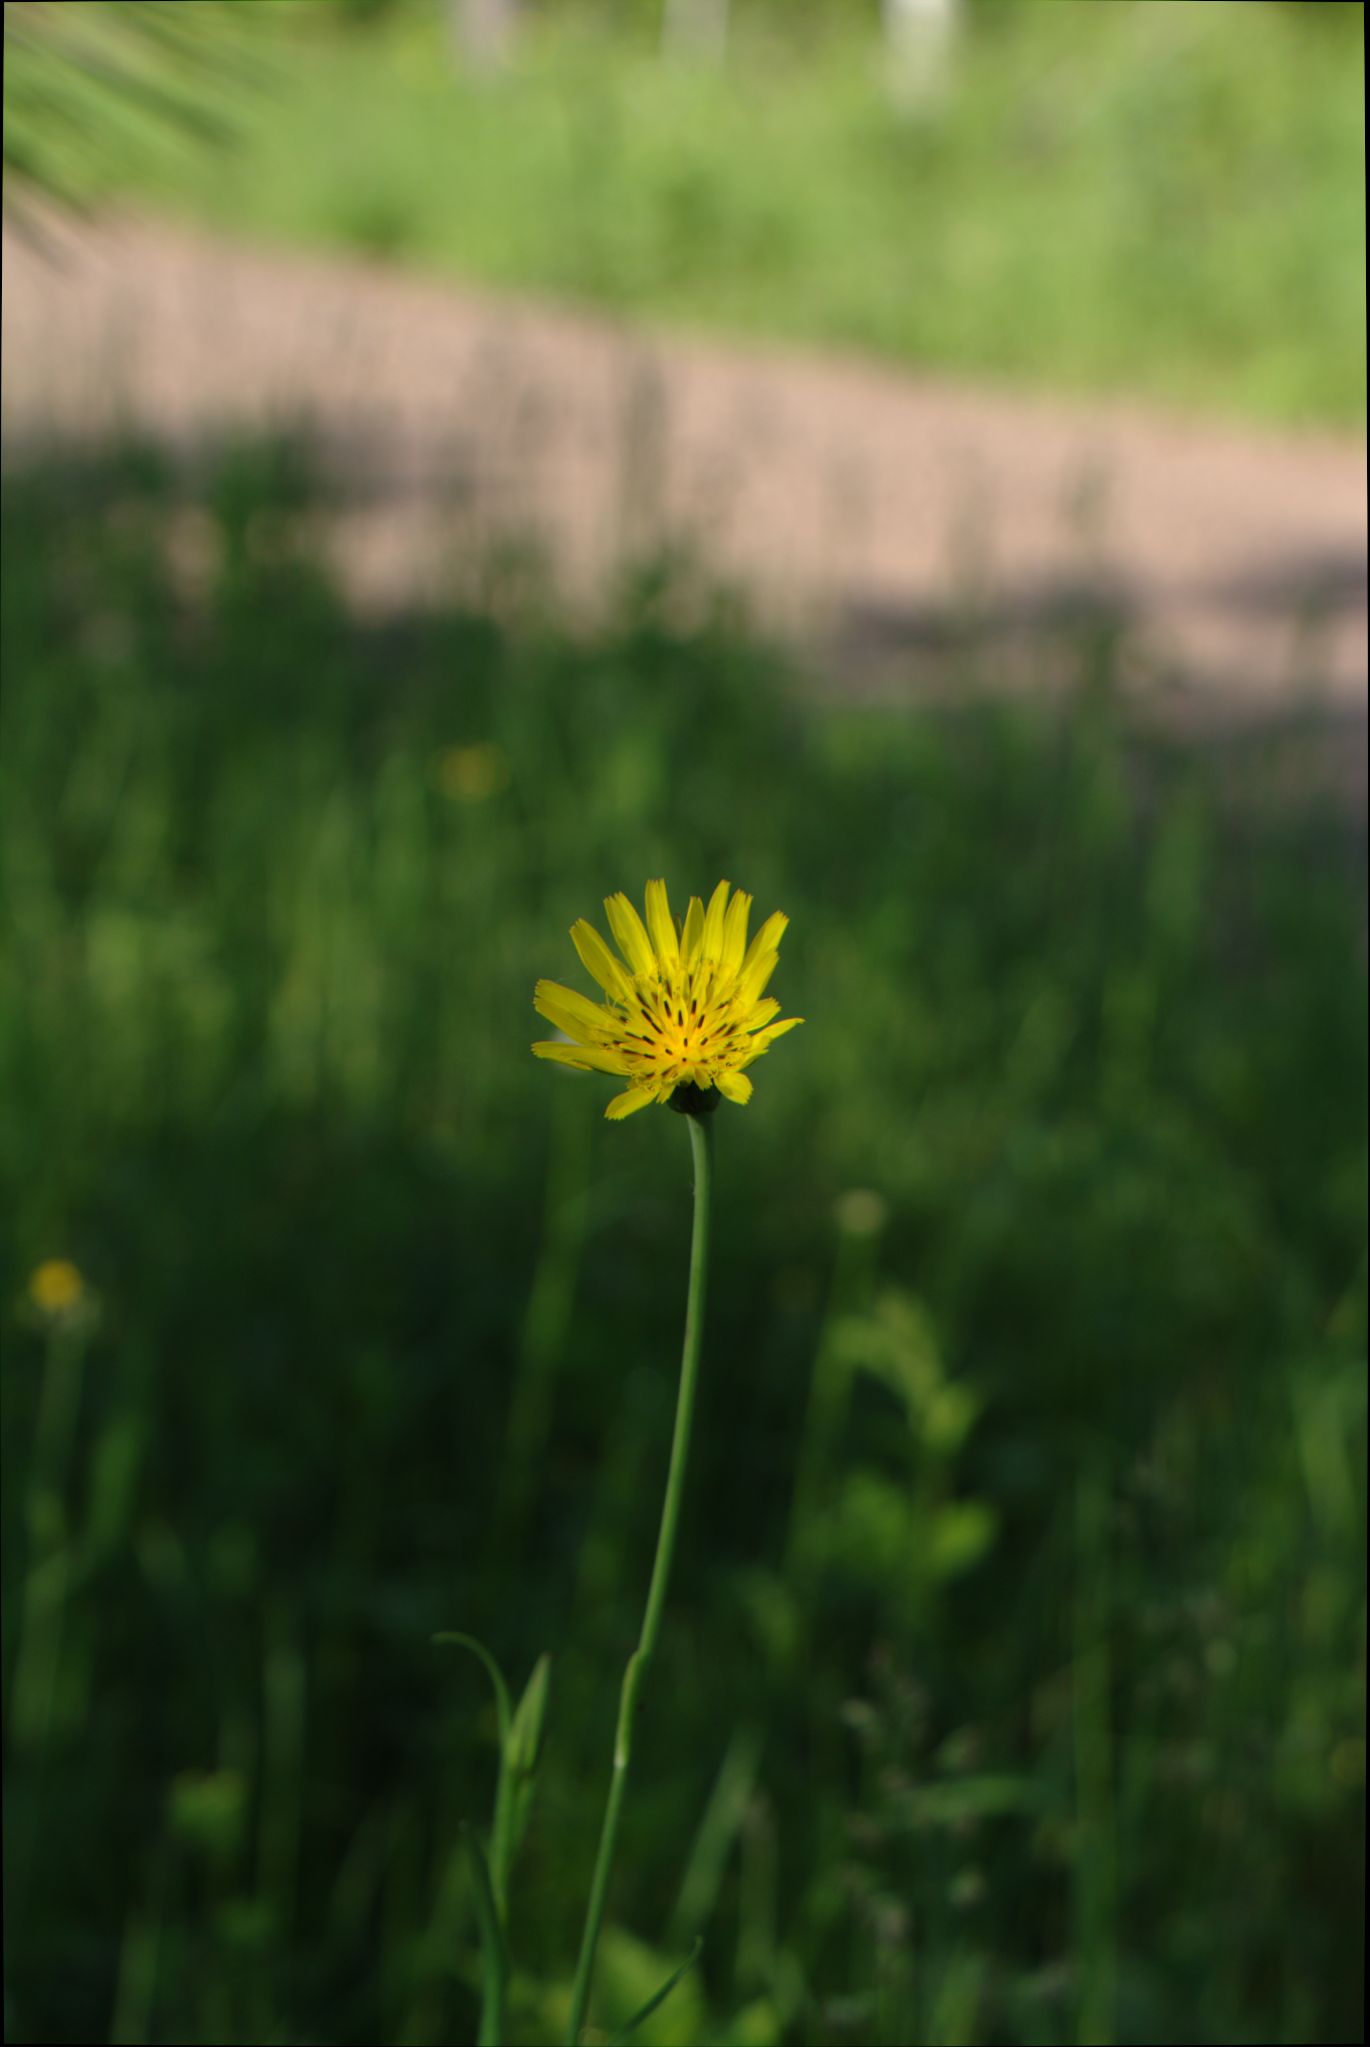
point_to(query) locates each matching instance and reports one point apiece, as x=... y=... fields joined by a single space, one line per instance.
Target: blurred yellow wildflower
x=56 y=1286
x=861 y=1212
x=1348 y=1763
x=471 y=773
x=685 y=1012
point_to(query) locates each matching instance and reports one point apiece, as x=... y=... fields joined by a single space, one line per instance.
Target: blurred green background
x=1012 y=1680
x=1123 y=195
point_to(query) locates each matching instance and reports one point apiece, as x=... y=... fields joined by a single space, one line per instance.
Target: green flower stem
x=494 y=1952
x=639 y=1661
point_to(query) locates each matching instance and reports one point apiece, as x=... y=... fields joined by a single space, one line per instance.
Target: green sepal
x=523 y=1744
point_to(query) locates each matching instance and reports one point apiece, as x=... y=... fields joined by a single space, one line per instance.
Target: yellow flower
x=686 y=1011
x=55 y=1286
x=471 y=773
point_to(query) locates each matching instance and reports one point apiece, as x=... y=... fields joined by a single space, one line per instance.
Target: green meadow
x=1011 y=1680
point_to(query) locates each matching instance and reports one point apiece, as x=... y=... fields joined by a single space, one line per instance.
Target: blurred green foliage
x=1012 y=1681
x=1161 y=199
x=84 y=84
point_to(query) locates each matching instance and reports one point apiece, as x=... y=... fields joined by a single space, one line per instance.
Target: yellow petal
x=763 y=1040
x=629 y=934
x=660 y=925
x=735 y=932
x=629 y=1102
x=735 y=1086
x=572 y=1013
x=713 y=922
x=755 y=976
x=694 y=932
x=586 y=1058
x=598 y=959
x=767 y=938
x=761 y=1014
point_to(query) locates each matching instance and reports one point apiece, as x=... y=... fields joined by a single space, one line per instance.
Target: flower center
x=672 y=1028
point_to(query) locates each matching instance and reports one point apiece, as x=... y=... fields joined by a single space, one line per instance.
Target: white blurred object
x=695 y=28
x=481 y=32
x=918 y=39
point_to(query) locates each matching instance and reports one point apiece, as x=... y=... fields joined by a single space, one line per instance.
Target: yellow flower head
x=55 y=1286
x=685 y=1011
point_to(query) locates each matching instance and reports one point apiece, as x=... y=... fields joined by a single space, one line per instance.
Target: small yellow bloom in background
x=56 y=1286
x=685 y=1004
x=861 y=1212
x=471 y=773
x=1348 y=1763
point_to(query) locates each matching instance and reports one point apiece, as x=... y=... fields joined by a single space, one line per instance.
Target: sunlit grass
x=1155 y=199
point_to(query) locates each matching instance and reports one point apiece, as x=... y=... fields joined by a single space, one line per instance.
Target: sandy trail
x=870 y=512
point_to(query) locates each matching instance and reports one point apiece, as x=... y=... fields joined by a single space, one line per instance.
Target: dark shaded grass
x=1055 y=1683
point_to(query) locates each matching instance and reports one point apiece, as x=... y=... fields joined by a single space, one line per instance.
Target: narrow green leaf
x=718 y=1831
x=658 y=1997
x=517 y=1770
x=451 y=1637
x=962 y=1798
x=494 y=1953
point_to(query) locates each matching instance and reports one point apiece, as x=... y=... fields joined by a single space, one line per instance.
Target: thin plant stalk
x=640 y=1660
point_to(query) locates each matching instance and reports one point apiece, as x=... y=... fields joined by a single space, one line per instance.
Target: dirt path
x=868 y=510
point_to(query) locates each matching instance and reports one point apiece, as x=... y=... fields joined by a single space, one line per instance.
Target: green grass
x=1164 y=200
x=1011 y=1685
